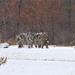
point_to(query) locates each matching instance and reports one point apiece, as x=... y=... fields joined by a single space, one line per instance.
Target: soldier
x=43 y=40
x=74 y=39
x=30 y=39
x=19 y=41
x=0 y=38
x=22 y=36
x=25 y=38
x=36 y=39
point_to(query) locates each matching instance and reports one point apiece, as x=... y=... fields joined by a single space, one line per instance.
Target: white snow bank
x=4 y=45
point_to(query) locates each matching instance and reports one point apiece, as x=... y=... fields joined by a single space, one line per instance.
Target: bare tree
x=4 y=23
x=19 y=12
x=69 y=10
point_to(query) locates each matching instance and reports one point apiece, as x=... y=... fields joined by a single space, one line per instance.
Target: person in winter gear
x=0 y=38
x=19 y=41
x=43 y=40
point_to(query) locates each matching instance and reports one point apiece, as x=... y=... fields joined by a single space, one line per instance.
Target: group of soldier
x=40 y=39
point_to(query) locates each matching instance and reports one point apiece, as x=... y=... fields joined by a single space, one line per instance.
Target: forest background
x=56 y=17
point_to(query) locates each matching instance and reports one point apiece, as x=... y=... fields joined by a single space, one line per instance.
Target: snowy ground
x=34 y=61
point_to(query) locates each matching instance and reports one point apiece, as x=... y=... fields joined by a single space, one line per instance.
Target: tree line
x=56 y=17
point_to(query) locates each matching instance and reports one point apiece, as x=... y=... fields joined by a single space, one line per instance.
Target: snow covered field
x=32 y=67
x=55 y=60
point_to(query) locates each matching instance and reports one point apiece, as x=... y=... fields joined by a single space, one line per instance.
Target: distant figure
x=3 y=60
x=74 y=35
x=43 y=39
x=19 y=41
x=0 y=38
x=36 y=39
x=74 y=39
x=30 y=39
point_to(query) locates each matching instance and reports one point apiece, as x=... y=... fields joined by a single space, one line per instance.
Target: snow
x=55 y=60
x=4 y=45
x=31 y=67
